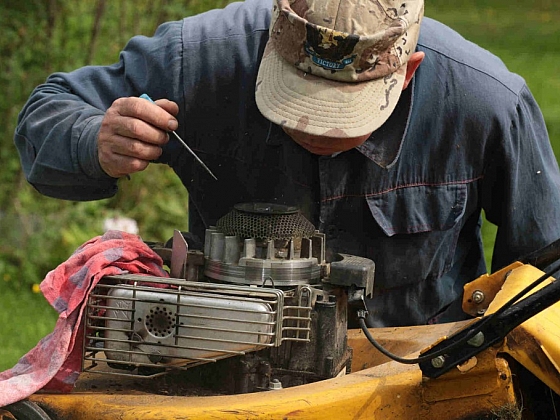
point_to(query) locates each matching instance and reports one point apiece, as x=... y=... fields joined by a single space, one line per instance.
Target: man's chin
x=321 y=151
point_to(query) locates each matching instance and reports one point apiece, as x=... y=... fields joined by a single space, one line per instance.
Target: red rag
x=54 y=364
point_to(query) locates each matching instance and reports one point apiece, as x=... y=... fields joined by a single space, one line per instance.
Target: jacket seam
x=471 y=67
x=419 y=184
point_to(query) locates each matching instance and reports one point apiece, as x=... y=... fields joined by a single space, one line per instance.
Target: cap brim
x=315 y=105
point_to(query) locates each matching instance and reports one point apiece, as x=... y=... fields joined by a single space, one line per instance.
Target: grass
x=523 y=33
x=25 y=318
x=524 y=36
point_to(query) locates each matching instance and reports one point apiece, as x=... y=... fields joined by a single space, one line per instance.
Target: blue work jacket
x=467 y=135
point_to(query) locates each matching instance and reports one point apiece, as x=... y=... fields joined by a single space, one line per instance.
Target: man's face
x=324 y=146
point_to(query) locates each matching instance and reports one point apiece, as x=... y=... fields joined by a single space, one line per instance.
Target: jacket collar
x=384 y=145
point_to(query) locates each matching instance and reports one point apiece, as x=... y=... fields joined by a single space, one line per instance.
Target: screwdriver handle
x=144 y=96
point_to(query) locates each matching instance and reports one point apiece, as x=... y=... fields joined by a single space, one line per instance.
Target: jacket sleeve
x=521 y=189
x=57 y=129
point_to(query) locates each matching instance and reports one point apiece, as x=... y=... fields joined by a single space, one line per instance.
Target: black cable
x=363 y=326
x=362 y=314
x=404 y=360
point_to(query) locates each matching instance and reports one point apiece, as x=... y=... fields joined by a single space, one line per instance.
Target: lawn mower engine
x=256 y=308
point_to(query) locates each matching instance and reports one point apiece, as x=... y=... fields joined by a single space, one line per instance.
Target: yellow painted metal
x=379 y=390
x=487 y=284
x=5 y=415
x=398 y=340
x=535 y=344
x=362 y=395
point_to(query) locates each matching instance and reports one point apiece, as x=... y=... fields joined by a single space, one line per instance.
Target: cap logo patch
x=330 y=49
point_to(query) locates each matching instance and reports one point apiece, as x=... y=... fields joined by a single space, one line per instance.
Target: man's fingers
x=135 y=128
x=122 y=156
x=168 y=105
x=121 y=165
x=155 y=114
x=134 y=148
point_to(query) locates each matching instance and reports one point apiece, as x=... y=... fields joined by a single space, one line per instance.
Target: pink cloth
x=54 y=364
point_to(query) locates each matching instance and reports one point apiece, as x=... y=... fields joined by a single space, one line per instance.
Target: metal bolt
x=438 y=362
x=274 y=385
x=477 y=340
x=155 y=357
x=478 y=296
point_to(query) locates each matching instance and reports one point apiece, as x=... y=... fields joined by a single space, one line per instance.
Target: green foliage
x=41 y=37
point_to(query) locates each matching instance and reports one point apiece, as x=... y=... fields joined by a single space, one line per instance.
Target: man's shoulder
x=452 y=52
x=236 y=19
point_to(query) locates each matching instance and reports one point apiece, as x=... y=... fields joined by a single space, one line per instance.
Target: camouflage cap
x=336 y=68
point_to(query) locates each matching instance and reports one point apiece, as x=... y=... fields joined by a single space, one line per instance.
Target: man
x=389 y=131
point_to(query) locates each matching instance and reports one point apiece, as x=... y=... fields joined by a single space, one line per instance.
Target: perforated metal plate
x=265 y=221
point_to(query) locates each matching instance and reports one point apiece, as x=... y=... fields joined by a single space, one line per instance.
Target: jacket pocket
x=419 y=209
x=422 y=225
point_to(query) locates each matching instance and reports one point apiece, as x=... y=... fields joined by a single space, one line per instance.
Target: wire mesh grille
x=149 y=322
x=267 y=225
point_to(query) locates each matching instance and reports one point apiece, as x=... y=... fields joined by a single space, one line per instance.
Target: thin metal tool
x=144 y=96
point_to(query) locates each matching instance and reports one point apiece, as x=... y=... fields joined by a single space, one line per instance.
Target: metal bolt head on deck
x=274 y=385
x=438 y=362
x=478 y=296
x=477 y=340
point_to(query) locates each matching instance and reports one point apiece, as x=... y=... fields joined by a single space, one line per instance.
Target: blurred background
x=44 y=36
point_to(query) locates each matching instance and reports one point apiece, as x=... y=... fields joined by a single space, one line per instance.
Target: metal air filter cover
x=265 y=221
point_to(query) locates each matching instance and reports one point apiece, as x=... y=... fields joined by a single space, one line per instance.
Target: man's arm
x=521 y=192
x=76 y=137
x=77 y=134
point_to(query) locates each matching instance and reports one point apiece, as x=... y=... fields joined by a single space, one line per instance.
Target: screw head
x=438 y=362
x=274 y=384
x=477 y=340
x=478 y=296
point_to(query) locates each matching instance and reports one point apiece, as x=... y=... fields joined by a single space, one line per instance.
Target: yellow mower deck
x=377 y=388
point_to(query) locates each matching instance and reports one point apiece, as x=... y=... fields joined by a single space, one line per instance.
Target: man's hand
x=132 y=133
